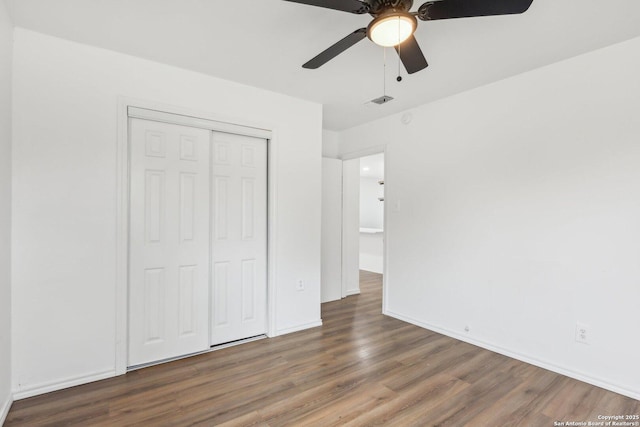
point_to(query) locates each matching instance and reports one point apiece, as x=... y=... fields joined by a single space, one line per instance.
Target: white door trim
x=385 y=269
x=128 y=107
x=370 y=151
x=196 y=122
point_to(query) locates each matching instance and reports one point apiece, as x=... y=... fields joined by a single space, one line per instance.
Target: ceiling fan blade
x=353 y=6
x=411 y=55
x=336 y=49
x=448 y=9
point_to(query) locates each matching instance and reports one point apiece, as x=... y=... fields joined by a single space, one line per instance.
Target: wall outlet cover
x=582 y=333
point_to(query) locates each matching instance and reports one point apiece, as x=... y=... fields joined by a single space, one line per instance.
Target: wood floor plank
x=359 y=369
x=525 y=398
x=413 y=403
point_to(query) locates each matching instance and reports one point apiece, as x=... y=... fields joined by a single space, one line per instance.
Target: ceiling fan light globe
x=391 y=29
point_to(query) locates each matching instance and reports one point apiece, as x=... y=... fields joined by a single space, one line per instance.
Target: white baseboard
x=4 y=410
x=74 y=381
x=299 y=328
x=580 y=376
x=61 y=384
x=350 y=292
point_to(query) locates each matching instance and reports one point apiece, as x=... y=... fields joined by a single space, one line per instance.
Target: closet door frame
x=129 y=108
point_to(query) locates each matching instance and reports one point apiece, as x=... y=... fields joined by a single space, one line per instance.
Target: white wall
x=331 y=284
x=350 y=227
x=6 y=47
x=371 y=216
x=371 y=208
x=330 y=143
x=371 y=252
x=513 y=210
x=64 y=267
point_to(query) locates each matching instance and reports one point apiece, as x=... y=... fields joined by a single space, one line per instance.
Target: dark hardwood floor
x=359 y=369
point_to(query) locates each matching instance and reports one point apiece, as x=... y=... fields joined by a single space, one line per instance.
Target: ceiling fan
x=394 y=24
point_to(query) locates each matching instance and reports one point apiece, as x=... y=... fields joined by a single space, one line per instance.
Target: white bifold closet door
x=239 y=237
x=169 y=241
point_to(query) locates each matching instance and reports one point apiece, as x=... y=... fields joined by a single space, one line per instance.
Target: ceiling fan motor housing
x=378 y=7
x=410 y=22
x=384 y=10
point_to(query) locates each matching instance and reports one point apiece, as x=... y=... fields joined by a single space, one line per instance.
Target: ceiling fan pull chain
x=384 y=71
x=399 y=78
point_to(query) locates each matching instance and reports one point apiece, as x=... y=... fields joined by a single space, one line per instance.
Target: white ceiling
x=263 y=43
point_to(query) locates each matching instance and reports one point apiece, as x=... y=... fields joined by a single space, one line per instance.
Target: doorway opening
x=371 y=225
x=371 y=230
x=353 y=224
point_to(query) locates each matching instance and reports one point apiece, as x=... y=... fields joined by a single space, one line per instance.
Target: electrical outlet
x=582 y=333
x=300 y=285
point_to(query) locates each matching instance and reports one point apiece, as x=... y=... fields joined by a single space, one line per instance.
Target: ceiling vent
x=382 y=100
